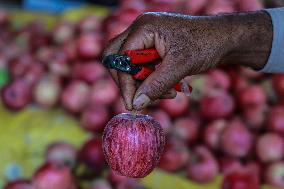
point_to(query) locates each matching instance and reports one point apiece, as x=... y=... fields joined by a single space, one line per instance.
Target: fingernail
x=141 y=101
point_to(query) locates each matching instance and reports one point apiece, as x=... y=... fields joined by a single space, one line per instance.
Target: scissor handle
x=142 y=56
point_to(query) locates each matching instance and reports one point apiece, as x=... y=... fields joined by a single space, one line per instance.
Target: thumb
x=157 y=84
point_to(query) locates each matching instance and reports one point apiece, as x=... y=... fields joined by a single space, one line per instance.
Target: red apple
x=63 y=32
x=70 y=50
x=89 y=45
x=55 y=176
x=241 y=179
x=195 y=7
x=47 y=91
x=217 y=105
x=175 y=157
x=130 y=184
x=274 y=174
x=250 y=5
x=89 y=24
x=186 y=129
x=249 y=73
x=278 y=84
x=89 y=72
x=18 y=66
x=94 y=118
x=219 y=79
x=252 y=96
x=100 y=184
x=228 y=165
x=59 y=64
x=44 y=54
x=202 y=166
x=133 y=144
x=91 y=154
x=115 y=178
x=16 y=95
x=236 y=139
x=176 y=107
x=218 y=6
x=119 y=107
x=103 y=92
x=254 y=117
x=270 y=147
x=19 y=184
x=61 y=152
x=74 y=97
x=163 y=118
x=212 y=133
x=275 y=120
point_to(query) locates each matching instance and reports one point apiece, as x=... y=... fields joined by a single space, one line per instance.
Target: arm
x=190 y=45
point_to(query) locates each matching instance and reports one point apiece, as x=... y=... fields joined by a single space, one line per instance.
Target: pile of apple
x=232 y=125
x=65 y=167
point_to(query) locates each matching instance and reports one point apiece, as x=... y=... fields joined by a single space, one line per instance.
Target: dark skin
x=190 y=45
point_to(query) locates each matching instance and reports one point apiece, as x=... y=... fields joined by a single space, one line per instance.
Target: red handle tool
x=140 y=57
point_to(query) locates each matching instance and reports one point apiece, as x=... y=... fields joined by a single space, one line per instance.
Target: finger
x=157 y=84
x=127 y=88
x=115 y=44
x=169 y=95
x=114 y=76
x=137 y=39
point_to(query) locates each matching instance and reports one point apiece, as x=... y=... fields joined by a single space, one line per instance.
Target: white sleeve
x=275 y=62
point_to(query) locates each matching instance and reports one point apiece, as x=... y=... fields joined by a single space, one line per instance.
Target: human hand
x=189 y=45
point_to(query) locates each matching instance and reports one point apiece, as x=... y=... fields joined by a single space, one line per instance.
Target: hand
x=189 y=45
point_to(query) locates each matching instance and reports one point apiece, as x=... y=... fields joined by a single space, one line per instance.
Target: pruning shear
x=139 y=63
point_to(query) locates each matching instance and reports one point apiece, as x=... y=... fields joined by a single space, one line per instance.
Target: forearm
x=252 y=41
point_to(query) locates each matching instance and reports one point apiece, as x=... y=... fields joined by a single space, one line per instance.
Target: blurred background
x=56 y=99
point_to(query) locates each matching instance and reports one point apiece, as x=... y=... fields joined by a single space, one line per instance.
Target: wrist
x=251 y=41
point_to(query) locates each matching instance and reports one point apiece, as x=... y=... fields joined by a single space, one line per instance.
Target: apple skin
x=133 y=144
x=19 y=184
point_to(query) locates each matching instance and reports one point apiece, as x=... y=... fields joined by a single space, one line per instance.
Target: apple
x=138 y=149
x=89 y=72
x=216 y=105
x=103 y=92
x=250 y=5
x=274 y=174
x=236 y=139
x=202 y=166
x=100 y=184
x=16 y=95
x=270 y=147
x=19 y=184
x=89 y=45
x=212 y=133
x=228 y=164
x=275 y=119
x=240 y=179
x=186 y=129
x=61 y=152
x=254 y=117
x=252 y=96
x=91 y=154
x=115 y=178
x=278 y=84
x=63 y=32
x=219 y=79
x=175 y=157
x=47 y=91
x=75 y=96
x=164 y=119
x=175 y=107
x=89 y=23
x=55 y=176
x=94 y=118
